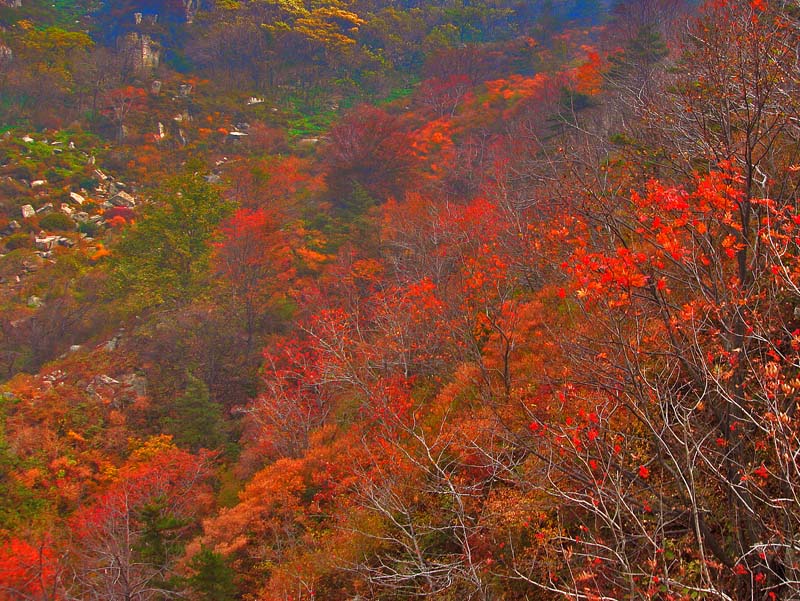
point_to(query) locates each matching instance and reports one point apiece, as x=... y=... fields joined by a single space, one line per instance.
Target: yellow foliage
x=153 y=446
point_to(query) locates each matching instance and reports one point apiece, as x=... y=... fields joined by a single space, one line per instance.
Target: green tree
x=198 y=420
x=163 y=258
x=213 y=578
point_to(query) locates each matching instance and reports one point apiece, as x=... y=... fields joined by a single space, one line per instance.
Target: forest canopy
x=360 y=299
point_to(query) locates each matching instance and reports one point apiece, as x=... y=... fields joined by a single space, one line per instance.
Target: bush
x=124 y=212
x=56 y=222
x=89 y=228
x=18 y=240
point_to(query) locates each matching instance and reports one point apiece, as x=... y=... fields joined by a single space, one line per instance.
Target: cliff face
x=141 y=51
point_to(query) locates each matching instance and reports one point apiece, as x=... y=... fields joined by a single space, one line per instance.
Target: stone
x=80 y=217
x=13 y=226
x=46 y=243
x=28 y=211
x=45 y=209
x=38 y=183
x=184 y=90
x=155 y=87
x=253 y=100
x=144 y=51
x=34 y=302
x=74 y=348
x=136 y=383
x=112 y=344
x=27 y=139
x=66 y=209
x=122 y=199
x=100 y=175
x=162 y=133
x=6 y=54
x=212 y=178
x=66 y=242
x=74 y=196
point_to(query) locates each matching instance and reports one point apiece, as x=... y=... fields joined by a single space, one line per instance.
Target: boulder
x=46 y=243
x=28 y=211
x=122 y=199
x=75 y=197
x=13 y=226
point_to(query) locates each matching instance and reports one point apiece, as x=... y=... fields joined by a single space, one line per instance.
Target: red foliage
x=28 y=572
x=372 y=148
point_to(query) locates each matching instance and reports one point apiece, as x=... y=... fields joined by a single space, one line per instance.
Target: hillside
x=368 y=299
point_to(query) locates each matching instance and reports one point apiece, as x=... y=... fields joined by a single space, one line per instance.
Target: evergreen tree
x=213 y=579
x=198 y=421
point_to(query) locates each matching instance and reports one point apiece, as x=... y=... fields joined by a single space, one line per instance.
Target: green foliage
x=18 y=240
x=163 y=259
x=160 y=533
x=213 y=579
x=57 y=222
x=198 y=421
x=89 y=228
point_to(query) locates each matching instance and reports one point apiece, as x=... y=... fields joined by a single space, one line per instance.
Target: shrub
x=89 y=228
x=124 y=212
x=18 y=240
x=57 y=222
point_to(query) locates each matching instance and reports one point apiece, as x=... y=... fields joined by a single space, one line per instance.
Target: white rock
x=46 y=243
x=77 y=198
x=28 y=211
x=122 y=199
